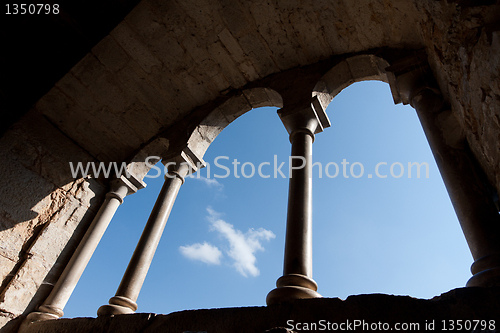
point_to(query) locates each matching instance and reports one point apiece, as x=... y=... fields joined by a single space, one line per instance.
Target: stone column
x=125 y=298
x=465 y=182
x=52 y=307
x=297 y=281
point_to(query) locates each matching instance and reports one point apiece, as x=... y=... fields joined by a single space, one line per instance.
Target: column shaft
x=298 y=241
x=52 y=307
x=465 y=183
x=297 y=281
x=125 y=298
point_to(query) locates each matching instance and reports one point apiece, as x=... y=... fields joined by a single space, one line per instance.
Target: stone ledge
x=458 y=304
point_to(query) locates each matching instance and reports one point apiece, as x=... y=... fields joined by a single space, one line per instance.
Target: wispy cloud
x=242 y=246
x=205 y=252
x=210 y=182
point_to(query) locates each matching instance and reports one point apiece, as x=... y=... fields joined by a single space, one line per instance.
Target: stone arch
x=204 y=133
x=350 y=70
x=220 y=117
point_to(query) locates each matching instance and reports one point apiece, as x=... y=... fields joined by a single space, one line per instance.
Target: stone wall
x=41 y=207
x=463 y=44
x=44 y=210
x=379 y=312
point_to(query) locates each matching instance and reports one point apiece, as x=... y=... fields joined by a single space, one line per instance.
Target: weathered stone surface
x=187 y=58
x=471 y=303
x=41 y=206
x=463 y=46
x=135 y=47
x=186 y=69
x=110 y=54
x=6 y=266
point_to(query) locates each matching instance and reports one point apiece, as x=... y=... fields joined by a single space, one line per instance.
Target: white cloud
x=210 y=182
x=203 y=252
x=242 y=246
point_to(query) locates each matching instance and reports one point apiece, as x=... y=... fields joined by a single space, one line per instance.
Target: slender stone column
x=465 y=183
x=125 y=298
x=297 y=281
x=52 y=307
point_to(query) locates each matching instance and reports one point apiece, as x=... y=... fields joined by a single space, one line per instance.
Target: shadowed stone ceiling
x=167 y=58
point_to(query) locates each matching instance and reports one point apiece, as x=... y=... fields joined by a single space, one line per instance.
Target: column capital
x=125 y=299
x=462 y=175
x=122 y=186
x=185 y=156
x=413 y=75
x=308 y=117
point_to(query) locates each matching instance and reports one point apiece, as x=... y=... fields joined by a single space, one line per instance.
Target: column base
x=117 y=305
x=486 y=271
x=45 y=312
x=486 y=278
x=291 y=287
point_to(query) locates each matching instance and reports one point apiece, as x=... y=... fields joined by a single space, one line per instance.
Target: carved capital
x=310 y=118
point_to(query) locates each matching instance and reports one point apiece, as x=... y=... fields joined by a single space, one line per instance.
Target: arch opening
x=269 y=212
x=386 y=234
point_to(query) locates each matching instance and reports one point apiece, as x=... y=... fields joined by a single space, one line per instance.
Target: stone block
x=229 y=67
x=179 y=98
x=275 y=32
x=274 y=97
x=257 y=97
x=366 y=33
x=206 y=18
x=168 y=48
x=132 y=43
x=203 y=68
x=196 y=49
x=338 y=78
x=66 y=213
x=72 y=120
x=52 y=240
x=145 y=20
x=90 y=193
x=232 y=45
x=259 y=55
x=235 y=107
x=72 y=87
x=330 y=19
x=200 y=93
x=4 y=320
x=364 y=67
x=22 y=192
x=122 y=135
x=219 y=80
x=248 y=70
x=109 y=91
x=243 y=62
x=308 y=31
x=44 y=149
x=157 y=101
x=212 y=125
x=198 y=144
x=6 y=266
x=14 y=238
x=24 y=285
x=140 y=118
x=89 y=69
x=111 y=54
x=154 y=150
x=234 y=14
x=374 y=309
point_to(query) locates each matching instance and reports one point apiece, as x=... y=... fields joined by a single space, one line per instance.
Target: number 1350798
x=31 y=8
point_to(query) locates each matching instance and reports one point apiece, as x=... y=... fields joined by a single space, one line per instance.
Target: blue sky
x=223 y=244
